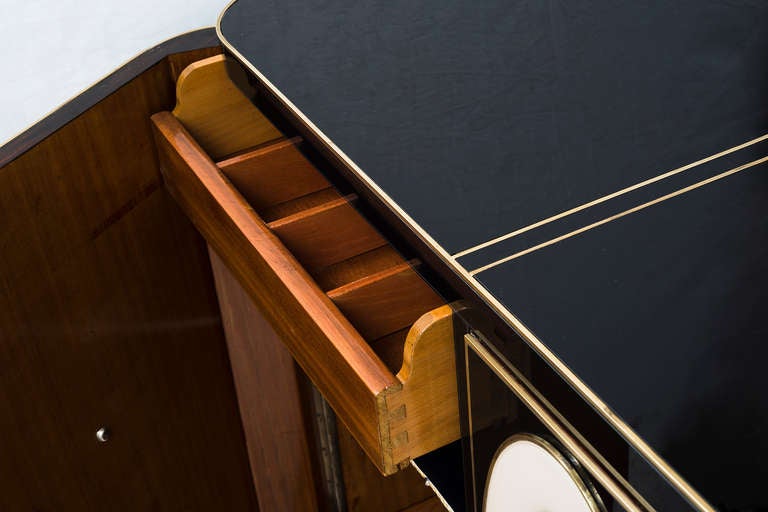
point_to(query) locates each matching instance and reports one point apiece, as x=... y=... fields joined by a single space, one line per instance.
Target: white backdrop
x=54 y=49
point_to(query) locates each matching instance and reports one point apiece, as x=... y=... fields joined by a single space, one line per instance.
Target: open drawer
x=370 y=333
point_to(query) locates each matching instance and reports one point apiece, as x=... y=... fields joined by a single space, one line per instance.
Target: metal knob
x=103 y=434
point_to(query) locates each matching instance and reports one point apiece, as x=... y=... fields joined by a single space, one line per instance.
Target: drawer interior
x=375 y=338
x=380 y=292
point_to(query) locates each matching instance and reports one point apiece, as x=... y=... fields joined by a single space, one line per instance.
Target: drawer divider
x=327 y=234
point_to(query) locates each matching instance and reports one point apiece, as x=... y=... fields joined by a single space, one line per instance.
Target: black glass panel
x=662 y=313
x=495 y=414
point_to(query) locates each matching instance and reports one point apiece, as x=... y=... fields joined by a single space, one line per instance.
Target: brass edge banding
x=608 y=197
x=562 y=369
x=469 y=417
x=588 y=494
x=659 y=464
x=619 y=215
x=517 y=374
x=548 y=420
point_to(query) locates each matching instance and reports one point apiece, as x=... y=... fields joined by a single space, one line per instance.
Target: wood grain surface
x=215 y=110
x=327 y=234
x=108 y=317
x=429 y=419
x=273 y=174
x=358 y=267
x=373 y=294
x=386 y=301
x=270 y=401
x=367 y=490
x=323 y=342
x=300 y=204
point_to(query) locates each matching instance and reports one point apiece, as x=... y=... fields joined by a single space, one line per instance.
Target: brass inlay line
x=512 y=369
x=471 y=427
x=608 y=197
x=619 y=215
x=546 y=418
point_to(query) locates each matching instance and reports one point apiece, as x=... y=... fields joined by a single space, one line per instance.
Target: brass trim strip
x=619 y=215
x=472 y=468
x=561 y=368
x=608 y=197
x=494 y=351
x=544 y=415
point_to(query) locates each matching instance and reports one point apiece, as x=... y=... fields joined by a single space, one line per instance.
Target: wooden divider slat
x=299 y=204
x=385 y=302
x=273 y=174
x=327 y=234
x=357 y=267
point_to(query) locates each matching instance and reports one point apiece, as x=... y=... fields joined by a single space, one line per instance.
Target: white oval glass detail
x=529 y=475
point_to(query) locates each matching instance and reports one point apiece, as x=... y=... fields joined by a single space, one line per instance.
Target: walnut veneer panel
x=108 y=316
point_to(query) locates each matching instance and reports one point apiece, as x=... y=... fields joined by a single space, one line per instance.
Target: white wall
x=52 y=50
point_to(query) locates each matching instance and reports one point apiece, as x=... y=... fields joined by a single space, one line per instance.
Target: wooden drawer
x=371 y=334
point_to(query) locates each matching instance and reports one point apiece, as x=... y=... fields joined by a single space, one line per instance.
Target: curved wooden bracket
x=424 y=415
x=220 y=117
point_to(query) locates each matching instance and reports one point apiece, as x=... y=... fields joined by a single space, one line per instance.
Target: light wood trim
x=384 y=302
x=425 y=414
x=273 y=174
x=212 y=108
x=299 y=204
x=331 y=352
x=327 y=234
x=358 y=267
x=108 y=316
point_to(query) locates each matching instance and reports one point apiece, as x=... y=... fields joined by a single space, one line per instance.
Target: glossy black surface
x=495 y=414
x=479 y=118
x=664 y=311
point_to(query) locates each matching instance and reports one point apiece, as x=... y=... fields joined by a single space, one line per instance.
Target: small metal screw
x=103 y=434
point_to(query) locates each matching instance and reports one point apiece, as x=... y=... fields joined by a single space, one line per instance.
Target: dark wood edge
x=331 y=352
x=203 y=38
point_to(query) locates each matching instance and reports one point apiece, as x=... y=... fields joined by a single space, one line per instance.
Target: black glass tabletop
x=597 y=166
